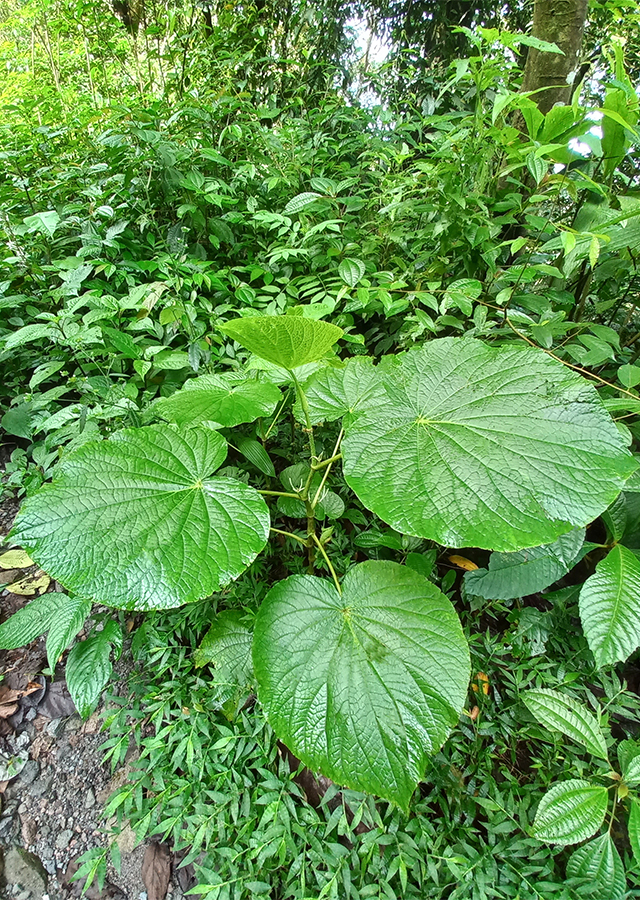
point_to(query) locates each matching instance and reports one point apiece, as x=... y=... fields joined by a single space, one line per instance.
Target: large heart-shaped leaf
x=224 y=399
x=527 y=571
x=136 y=522
x=609 y=607
x=333 y=392
x=570 y=812
x=287 y=341
x=366 y=684
x=501 y=448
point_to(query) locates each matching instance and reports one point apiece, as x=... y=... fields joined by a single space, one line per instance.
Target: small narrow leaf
x=287 y=341
x=255 y=453
x=570 y=812
x=609 y=607
x=225 y=400
x=31 y=621
x=300 y=201
x=66 y=624
x=89 y=668
x=557 y=711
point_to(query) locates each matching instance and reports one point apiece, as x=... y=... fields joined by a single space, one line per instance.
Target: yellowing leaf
x=463 y=563
x=30 y=584
x=15 y=559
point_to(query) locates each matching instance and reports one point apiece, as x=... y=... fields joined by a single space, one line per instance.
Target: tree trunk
x=560 y=22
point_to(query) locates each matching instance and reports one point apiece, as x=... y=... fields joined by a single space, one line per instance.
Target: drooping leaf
x=634 y=830
x=65 y=625
x=615 y=517
x=333 y=392
x=366 y=684
x=19 y=421
x=609 y=607
x=300 y=201
x=89 y=667
x=501 y=448
x=255 y=453
x=629 y=758
x=287 y=341
x=600 y=864
x=223 y=399
x=227 y=646
x=527 y=571
x=26 y=334
x=137 y=522
x=31 y=621
x=557 y=711
x=351 y=271
x=570 y=812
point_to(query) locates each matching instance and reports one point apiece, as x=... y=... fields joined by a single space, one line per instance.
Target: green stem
x=291 y=535
x=307 y=415
x=279 y=494
x=328 y=562
x=327 y=462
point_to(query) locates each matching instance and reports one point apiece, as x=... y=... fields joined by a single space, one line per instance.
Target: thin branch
x=328 y=562
x=291 y=535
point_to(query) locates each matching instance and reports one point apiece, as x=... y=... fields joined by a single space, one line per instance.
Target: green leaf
x=31 y=621
x=634 y=830
x=629 y=758
x=46 y=222
x=256 y=454
x=300 y=201
x=629 y=375
x=225 y=400
x=609 y=607
x=615 y=518
x=67 y=622
x=556 y=711
x=351 y=271
x=137 y=523
x=333 y=392
x=478 y=446
x=363 y=685
x=227 y=646
x=570 y=811
x=25 y=335
x=599 y=863
x=526 y=572
x=287 y=341
x=89 y=668
x=18 y=421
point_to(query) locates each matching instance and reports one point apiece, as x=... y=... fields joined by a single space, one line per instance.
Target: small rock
x=62 y=841
x=42 y=786
x=126 y=840
x=30 y=772
x=29 y=830
x=54 y=727
x=90 y=799
x=30 y=714
x=26 y=870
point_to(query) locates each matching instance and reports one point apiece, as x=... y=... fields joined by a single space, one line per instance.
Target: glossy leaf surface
x=363 y=685
x=609 y=607
x=333 y=392
x=501 y=448
x=287 y=341
x=222 y=399
x=557 y=711
x=599 y=863
x=570 y=812
x=137 y=522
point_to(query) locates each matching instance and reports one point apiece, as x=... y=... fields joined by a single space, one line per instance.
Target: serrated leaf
x=571 y=811
x=478 y=446
x=629 y=758
x=599 y=863
x=634 y=830
x=65 y=625
x=363 y=685
x=527 y=571
x=222 y=399
x=31 y=621
x=615 y=517
x=351 y=271
x=300 y=201
x=609 y=607
x=255 y=453
x=557 y=711
x=137 y=522
x=287 y=341
x=89 y=668
x=333 y=392
x=227 y=646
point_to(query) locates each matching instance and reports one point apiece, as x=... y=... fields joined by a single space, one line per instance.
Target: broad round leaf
x=363 y=685
x=501 y=448
x=287 y=341
x=609 y=607
x=351 y=271
x=137 y=523
x=600 y=864
x=332 y=392
x=570 y=812
x=222 y=399
x=527 y=571
x=555 y=710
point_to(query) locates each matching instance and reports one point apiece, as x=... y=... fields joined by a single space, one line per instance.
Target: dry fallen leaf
x=15 y=559
x=156 y=870
x=31 y=584
x=463 y=563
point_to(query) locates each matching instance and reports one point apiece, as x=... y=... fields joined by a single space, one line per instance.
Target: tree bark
x=560 y=22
